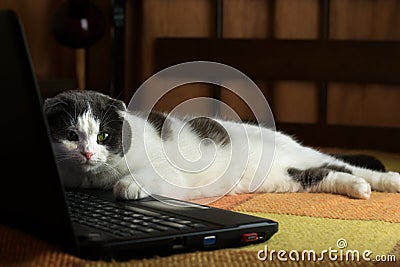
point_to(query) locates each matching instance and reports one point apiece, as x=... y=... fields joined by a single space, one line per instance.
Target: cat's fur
x=87 y=126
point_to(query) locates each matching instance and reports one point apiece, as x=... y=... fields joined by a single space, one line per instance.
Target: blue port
x=210 y=240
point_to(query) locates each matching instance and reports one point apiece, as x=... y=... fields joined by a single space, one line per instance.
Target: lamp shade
x=77 y=24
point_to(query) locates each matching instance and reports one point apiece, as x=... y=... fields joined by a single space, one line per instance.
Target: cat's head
x=86 y=129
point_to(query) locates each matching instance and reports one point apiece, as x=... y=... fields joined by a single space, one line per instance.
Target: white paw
x=128 y=189
x=391 y=182
x=361 y=189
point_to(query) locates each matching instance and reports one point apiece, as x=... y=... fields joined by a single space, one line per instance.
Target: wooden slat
x=303 y=60
x=353 y=137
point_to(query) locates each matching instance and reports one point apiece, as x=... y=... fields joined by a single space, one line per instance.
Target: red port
x=250 y=237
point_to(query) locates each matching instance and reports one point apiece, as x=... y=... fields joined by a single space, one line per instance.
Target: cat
x=98 y=143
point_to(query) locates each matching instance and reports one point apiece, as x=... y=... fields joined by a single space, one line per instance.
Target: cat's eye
x=72 y=136
x=101 y=137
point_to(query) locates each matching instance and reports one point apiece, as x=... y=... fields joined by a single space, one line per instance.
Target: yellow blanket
x=314 y=230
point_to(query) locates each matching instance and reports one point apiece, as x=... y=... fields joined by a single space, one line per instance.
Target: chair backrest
x=320 y=61
x=303 y=60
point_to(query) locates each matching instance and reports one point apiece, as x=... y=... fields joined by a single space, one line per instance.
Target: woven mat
x=310 y=227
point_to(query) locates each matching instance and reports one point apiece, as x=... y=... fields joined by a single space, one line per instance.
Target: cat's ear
x=120 y=107
x=49 y=104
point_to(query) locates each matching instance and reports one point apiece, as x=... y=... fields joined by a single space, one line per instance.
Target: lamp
x=78 y=24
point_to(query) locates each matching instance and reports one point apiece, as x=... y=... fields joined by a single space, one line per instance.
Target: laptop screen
x=31 y=195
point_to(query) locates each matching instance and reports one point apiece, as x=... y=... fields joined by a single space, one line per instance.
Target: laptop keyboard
x=122 y=221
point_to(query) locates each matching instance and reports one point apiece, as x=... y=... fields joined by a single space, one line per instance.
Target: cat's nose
x=87 y=154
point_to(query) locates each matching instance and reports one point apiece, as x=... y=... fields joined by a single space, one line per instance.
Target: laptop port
x=209 y=241
x=250 y=237
x=261 y=236
x=178 y=244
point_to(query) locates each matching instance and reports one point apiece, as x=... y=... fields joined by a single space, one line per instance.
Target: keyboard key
x=174 y=225
x=197 y=225
x=161 y=228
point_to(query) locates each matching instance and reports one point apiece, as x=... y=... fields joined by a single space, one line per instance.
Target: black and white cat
x=99 y=144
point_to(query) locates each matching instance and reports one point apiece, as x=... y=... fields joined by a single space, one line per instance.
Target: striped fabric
x=315 y=230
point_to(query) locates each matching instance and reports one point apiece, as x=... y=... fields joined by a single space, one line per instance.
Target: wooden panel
x=280 y=19
x=364 y=104
x=296 y=101
x=186 y=18
x=375 y=105
x=179 y=100
x=296 y=19
x=365 y=19
x=49 y=58
x=245 y=19
x=305 y=60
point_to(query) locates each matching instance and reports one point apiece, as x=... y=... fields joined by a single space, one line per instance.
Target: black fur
x=361 y=160
x=336 y=168
x=312 y=176
x=308 y=177
x=207 y=128
x=160 y=123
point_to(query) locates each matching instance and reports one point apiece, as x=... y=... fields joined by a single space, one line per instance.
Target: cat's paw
x=391 y=182
x=361 y=189
x=128 y=189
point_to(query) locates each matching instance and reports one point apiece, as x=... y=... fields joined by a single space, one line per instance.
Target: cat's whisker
x=67 y=155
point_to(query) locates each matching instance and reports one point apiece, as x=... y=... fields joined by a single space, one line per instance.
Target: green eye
x=102 y=137
x=72 y=136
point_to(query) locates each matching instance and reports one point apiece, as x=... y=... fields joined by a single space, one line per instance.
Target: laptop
x=91 y=224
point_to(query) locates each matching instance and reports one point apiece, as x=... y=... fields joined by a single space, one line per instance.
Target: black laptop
x=91 y=223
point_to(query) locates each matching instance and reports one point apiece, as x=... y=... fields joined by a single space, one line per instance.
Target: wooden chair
x=320 y=61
